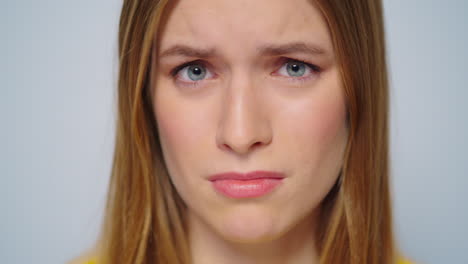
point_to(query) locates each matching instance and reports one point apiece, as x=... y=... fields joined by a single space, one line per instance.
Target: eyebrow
x=269 y=50
x=187 y=51
x=294 y=47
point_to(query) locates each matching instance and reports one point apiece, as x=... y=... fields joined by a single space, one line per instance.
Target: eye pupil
x=196 y=71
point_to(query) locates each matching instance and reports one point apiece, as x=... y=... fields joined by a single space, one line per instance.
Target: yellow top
x=400 y=261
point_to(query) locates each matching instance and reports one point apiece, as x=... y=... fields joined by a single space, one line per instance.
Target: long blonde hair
x=144 y=221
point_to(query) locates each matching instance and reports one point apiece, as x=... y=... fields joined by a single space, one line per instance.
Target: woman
x=250 y=132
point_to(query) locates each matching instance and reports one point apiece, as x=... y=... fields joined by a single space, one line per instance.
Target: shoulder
x=83 y=260
x=86 y=258
x=404 y=261
x=92 y=260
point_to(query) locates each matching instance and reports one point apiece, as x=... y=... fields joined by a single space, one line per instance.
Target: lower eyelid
x=188 y=84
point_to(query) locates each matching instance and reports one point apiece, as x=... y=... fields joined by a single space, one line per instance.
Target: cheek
x=185 y=130
x=322 y=123
x=182 y=122
x=178 y=132
x=175 y=134
x=317 y=125
x=315 y=135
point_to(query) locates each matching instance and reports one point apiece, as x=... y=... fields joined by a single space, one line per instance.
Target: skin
x=248 y=113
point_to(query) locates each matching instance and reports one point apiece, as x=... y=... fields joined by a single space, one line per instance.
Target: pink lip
x=252 y=184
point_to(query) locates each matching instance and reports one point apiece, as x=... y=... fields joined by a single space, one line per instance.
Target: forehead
x=242 y=24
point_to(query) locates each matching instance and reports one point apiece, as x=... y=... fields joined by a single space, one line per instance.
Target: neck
x=295 y=246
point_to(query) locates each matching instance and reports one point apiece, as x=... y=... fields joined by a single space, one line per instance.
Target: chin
x=249 y=225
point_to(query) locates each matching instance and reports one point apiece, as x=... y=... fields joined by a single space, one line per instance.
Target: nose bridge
x=243 y=125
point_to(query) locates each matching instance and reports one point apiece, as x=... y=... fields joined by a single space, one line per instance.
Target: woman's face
x=246 y=86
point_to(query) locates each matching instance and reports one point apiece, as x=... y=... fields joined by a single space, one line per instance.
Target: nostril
x=256 y=144
x=226 y=147
x=241 y=149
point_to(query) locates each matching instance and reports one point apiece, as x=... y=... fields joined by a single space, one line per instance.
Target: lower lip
x=246 y=188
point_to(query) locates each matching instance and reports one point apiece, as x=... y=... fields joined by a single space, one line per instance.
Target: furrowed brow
x=295 y=47
x=187 y=51
x=182 y=50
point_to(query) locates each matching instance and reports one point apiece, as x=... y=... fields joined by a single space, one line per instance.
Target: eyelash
x=313 y=68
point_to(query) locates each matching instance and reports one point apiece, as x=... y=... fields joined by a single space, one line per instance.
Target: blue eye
x=196 y=72
x=193 y=73
x=297 y=69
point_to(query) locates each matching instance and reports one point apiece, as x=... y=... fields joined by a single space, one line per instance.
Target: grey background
x=58 y=76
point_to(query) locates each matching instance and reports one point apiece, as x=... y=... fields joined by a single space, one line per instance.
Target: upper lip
x=246 y=176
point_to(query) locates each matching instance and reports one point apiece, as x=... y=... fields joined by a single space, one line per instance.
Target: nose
x=244 y=125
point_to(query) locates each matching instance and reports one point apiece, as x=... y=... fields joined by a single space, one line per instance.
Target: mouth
x=246 y=185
